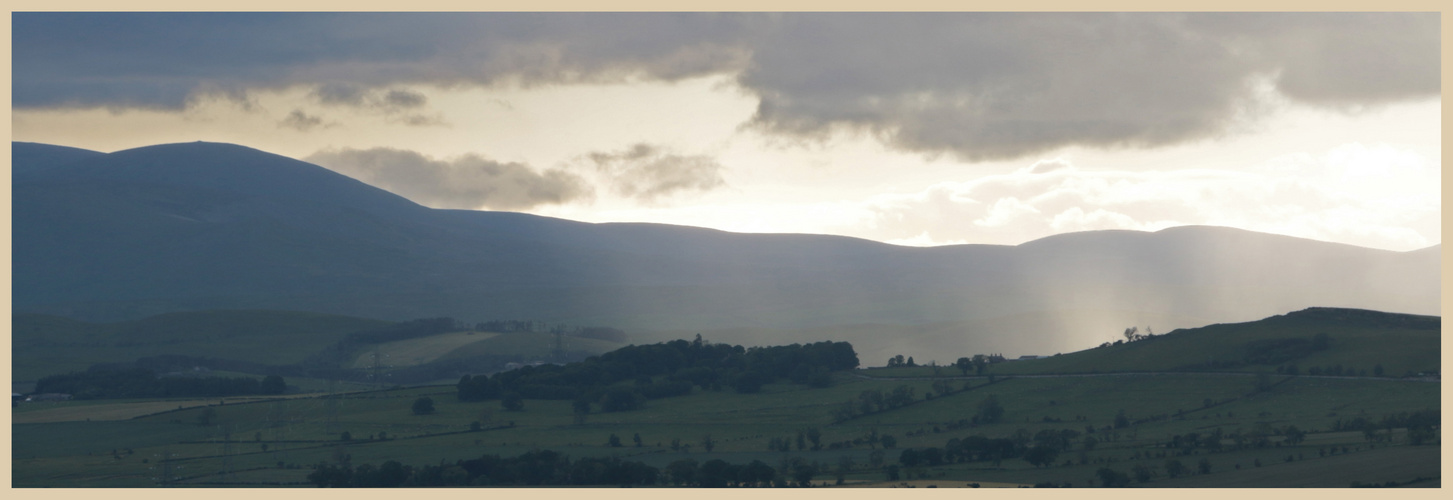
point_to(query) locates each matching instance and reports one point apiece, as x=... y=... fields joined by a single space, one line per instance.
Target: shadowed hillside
x=214 y=226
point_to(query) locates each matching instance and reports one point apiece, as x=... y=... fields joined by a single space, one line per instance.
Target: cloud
x=1309 y=196
x=340 y=94
x=396 y=105
x=977 y=86
x=648 y=173
x=999 y=86
x=467 y=182
x=301 y=121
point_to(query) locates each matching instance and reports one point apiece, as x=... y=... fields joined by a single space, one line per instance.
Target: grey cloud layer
x=978 y=86
x=647 y=173
x=468 y=182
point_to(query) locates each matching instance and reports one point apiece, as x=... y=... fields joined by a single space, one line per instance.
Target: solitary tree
x=512 y=401
x=1174 y=468
x=990 y=411
x=273 y=384
x=580 y=408
x=1112 y=479
x=1121 y=421
x=1142 y=473
x=423 y=406
x=964 y=364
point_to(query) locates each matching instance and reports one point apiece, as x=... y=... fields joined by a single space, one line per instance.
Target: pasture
x=413 y=352
x=299 y=433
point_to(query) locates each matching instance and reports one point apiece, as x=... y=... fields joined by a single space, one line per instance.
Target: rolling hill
x=48 y=345
x=1355 y=341
x=196 y=226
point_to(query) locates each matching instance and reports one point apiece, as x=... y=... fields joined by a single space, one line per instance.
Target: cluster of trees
x=1132 y=334
x=718 y=473
x=589 y=332
x=536 y=468
x=549 y=468
x=665 y=370
x=898 y=361
x=977 y=363
x=873 y=401
x=144 y=383
x=809 y=438
x=1422 y=426
x=1039 y=449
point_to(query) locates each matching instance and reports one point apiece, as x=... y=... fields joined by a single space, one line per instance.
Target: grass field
x=418 y=351
x=298 y=432
x=48 y=345
x=277 y=442
x=1400 y=343
x=529 y=346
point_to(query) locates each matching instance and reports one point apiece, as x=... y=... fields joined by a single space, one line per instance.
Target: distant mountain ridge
x=201 y=226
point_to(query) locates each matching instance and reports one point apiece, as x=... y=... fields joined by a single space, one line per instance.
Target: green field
x=528 y=346
x=48 y=345
x=297 y=432
x=1401 y=344
x=418 y=351
x=1134 y=413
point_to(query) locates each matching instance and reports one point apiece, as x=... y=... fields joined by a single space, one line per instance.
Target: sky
x=912 y=129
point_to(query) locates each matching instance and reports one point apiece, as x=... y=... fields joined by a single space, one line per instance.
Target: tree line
x=550 y=468
x=143 y=383
x=665 y=370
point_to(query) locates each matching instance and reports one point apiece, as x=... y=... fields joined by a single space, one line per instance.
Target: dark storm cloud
x=977 y=85
x=647 y=173
x=468 y=182
x=1007 y=85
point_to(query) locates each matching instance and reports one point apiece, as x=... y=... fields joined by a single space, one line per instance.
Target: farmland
x=299 y=433
x=1121 y=423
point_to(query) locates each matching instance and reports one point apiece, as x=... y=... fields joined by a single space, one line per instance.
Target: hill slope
x=211 y=226
x=49 y=345
x=1355 y=340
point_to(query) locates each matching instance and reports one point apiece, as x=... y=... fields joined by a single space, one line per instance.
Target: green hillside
x=528 y=346
x=46 y=345
x=1356 y=340
x=1145 y=418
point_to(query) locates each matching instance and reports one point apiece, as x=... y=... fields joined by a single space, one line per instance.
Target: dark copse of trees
x=423 y=406
x=665 y=370
x=1039 y=449
x=536 y=468
x=549 y=468
x=589 y=332
x=143 y=383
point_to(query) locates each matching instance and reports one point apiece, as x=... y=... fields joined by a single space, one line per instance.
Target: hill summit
x=197 y=226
